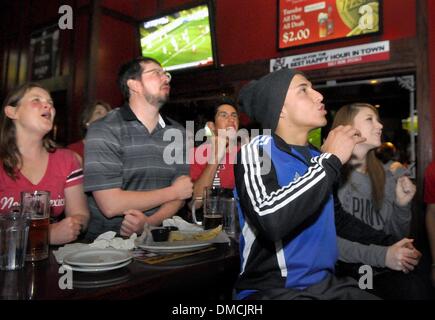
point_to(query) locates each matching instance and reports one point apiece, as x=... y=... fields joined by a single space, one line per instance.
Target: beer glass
x=36 y=205
x=212 y=208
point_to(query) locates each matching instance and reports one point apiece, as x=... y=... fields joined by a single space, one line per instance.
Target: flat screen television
x=180 y=39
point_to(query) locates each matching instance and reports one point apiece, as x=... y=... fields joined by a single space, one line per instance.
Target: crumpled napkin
x=103 y=241
x=181 y=224
x=108 y=239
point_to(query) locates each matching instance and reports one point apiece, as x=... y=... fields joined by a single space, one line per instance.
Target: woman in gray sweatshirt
x=373 y=195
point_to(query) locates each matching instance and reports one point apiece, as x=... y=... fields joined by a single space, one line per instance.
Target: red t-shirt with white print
x=199 y=158
x=63 y=171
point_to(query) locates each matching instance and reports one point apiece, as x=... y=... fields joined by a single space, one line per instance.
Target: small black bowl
x=160 y=234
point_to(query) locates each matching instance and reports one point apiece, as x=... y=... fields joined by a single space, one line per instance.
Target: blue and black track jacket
x=286 y=213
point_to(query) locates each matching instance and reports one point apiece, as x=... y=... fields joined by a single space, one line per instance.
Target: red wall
x=431 y=53
x=247 y=29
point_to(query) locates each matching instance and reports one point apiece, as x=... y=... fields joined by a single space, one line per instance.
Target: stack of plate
x=97 y=260
x=175 y=246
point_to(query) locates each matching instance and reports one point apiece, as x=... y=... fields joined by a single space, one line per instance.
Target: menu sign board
x=44 y=53
x=309 y=21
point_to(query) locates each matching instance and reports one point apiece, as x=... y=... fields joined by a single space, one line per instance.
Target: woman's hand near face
x=341 y=141
x=405 y=191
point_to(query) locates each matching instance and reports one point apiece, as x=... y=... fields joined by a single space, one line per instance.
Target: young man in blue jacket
x=287 y=211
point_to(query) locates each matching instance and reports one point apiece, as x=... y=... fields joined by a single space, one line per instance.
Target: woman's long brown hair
x=10 y=155
x=345 y=116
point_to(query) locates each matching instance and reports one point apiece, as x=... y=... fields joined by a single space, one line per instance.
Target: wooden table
x=206 y=276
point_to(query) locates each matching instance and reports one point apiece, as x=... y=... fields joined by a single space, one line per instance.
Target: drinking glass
x=14 y=230
x=36 y=205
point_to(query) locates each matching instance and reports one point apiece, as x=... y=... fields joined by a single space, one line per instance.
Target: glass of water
x=14 y=232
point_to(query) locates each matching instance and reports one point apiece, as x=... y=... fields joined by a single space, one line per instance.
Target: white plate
x=97 y=257
x=100 y=283
x=174 y=246
x=98 y=269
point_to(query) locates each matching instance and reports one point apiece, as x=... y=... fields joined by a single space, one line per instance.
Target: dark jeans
x=332 y=288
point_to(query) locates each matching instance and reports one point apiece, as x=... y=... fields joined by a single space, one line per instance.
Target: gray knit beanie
x=262 y=100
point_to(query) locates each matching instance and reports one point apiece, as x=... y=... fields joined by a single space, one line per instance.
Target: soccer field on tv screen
x=180 y=43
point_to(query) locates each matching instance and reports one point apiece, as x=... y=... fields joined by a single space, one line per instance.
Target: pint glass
x=36 y=205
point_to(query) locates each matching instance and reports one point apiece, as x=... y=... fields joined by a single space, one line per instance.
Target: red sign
x=310 y=21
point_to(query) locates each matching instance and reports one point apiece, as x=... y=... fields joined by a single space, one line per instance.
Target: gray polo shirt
x=120 y=152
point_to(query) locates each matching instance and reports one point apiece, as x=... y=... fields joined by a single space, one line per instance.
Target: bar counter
x=206 y=276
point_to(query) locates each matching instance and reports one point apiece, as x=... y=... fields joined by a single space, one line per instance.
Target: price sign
x=310 y=21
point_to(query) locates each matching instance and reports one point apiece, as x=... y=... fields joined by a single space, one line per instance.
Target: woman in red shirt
x=30 y=161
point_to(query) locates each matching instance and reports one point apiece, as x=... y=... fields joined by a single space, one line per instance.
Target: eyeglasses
x=159 y=72
x=226 y=116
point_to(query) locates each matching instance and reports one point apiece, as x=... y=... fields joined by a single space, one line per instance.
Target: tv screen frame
x=173 y=14
x=302 y=23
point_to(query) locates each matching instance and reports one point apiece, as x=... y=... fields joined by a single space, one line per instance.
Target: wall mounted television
x=180 y=39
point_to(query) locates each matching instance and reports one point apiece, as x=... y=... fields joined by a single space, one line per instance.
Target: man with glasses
x=212 y=162
x=128 y=181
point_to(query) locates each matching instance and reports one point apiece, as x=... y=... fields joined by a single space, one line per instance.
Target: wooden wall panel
x=66 y=43
x=80 y=70
x=23 y=64
x=12 y=65
x=146 y=10
x=82 y=3
x=43 y=13
x=115 y=49
x=137 y=9
x=2 y=69
x=128 y=8
x=12 y=10
x=431 y=54
x=165 y=5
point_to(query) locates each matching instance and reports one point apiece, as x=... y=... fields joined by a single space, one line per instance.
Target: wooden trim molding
x=119 y=16
x=93 y=49
x=424 y=145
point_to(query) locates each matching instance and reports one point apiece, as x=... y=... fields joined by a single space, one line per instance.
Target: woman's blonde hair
x=10 y=155
x=345 y=116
